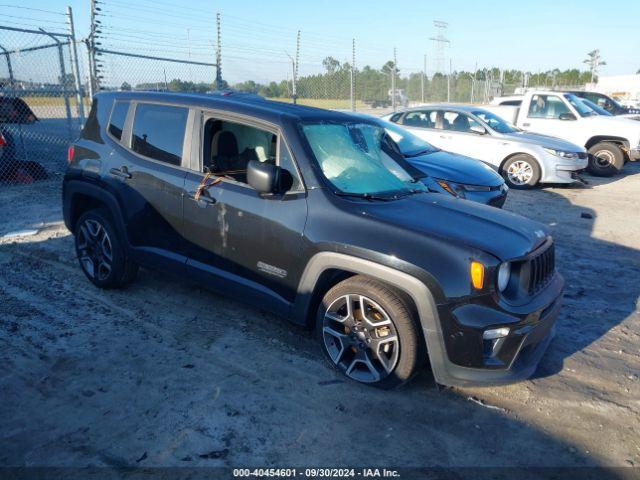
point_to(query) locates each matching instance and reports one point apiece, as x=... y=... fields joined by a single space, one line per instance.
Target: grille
x=541 y=268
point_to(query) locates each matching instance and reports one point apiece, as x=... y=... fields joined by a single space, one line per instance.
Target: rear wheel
x=605 y=159
x=369 y=333
x=100 y=252
x=521 y=172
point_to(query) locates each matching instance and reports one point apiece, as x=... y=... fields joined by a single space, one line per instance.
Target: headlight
x=459 y=189
x=561 y=153
x=504 y=273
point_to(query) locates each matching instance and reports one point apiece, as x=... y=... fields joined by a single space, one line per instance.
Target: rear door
x=237 y=240
x=148 y=170
x=424 y=124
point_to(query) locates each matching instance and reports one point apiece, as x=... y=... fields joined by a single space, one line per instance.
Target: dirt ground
x=164 y=373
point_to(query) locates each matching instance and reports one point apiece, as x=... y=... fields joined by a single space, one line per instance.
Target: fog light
x=495 y=333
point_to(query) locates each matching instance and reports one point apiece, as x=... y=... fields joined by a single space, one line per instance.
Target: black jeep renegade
x=315 y=215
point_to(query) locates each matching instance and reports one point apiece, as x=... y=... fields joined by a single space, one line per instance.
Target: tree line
x=374 y=83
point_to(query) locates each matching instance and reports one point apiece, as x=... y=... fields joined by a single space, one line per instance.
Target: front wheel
x=368 y=332
x=605 y=159
x=521 y=172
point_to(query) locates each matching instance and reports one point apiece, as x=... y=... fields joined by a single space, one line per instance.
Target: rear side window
x=158 y=132
x=118 y=116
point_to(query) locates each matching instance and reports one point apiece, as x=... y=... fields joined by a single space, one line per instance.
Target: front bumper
x=565 y=172
x=634 y=154
x=531 y=330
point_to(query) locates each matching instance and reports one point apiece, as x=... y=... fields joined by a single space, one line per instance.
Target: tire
x=100 y=251
x=605 y=159
x=347 y=340
x=521 y=172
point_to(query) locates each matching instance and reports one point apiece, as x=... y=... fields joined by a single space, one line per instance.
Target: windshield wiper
x=366 y=196
x=420 y=152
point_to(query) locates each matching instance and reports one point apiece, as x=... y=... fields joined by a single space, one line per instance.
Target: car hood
x=544 y=141
x=503 y=234
x=456 y=168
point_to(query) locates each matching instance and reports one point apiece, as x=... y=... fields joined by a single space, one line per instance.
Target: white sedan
x=524 y=159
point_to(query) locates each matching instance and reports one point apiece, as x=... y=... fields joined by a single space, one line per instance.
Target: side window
x=547 y=106
x=229 y=147
x=118 y=116
x=395 y=118
x=459 y=122
x=158 y=132
x=422 y=118
x=290 y=178
x=511 y=103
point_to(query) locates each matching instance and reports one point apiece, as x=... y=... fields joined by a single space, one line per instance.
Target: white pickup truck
x=610 y=140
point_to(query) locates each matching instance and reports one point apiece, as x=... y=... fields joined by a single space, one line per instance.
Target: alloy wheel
x=520 y=172
x=360 y=338
x=94 y=249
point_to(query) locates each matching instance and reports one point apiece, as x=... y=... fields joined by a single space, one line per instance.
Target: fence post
x=75 y=67
x=86 y=41
x=63 y=81
x=7 y=56
x=353 y=75
x=393 y=81
x=422 y=78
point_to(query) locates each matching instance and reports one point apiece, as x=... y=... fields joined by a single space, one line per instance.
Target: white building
x=625 y=87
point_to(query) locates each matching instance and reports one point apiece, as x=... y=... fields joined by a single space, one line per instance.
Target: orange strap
x=205 y=184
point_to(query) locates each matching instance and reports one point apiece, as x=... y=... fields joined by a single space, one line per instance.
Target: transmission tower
x=440 y=41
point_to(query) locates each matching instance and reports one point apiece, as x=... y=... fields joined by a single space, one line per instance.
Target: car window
x=547 y=106
x=117 y=119
x=511 y=103
x=396 y=118
x=421 y=118
x=229 y=146
x=158 y=132
x=460 y=122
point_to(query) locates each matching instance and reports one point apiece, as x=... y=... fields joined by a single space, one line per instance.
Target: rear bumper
x=529 y=336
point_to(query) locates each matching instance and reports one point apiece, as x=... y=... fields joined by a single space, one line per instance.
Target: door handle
x=122 y=172
x=204 y=199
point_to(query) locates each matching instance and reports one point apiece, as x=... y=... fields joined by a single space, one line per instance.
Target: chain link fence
x=41 y=103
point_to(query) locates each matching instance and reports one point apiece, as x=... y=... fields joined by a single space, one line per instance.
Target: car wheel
x=521 y=172
x=368 y=332
x=100 y=252
x=605 y=159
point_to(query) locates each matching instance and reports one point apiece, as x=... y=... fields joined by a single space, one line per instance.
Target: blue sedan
x=446 y=172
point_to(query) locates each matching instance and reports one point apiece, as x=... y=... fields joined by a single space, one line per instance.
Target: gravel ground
x=166 y=374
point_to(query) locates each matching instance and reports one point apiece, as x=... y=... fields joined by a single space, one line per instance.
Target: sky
x=259 y=36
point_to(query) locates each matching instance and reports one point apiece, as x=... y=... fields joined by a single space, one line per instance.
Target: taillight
x=3 y=142
x=70 y=153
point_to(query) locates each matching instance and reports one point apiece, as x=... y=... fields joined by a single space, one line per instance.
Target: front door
x=237 y=240
x=549 y=115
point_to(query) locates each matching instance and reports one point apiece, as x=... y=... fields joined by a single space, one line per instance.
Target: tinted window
x=118 y=116
x=512 y=103
x=424 y=119
x=158 y=132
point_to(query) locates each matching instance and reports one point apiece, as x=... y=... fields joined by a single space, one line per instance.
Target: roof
x=254 y=105
x=456 y=107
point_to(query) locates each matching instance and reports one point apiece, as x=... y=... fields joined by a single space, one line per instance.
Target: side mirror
x=567 y=116
x=478 y=130
x=263 y=177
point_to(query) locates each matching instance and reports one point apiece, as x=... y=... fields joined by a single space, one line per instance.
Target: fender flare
x=78 y=187
x=417 y=290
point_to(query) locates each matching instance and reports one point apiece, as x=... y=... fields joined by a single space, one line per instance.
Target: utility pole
x=439 y=42
x=75 y=67
x=353 y=75
x=295 y=68
x=91 y=46
x=218 y=54
x=449 y=83
x=424 y=74
x=393 y=80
